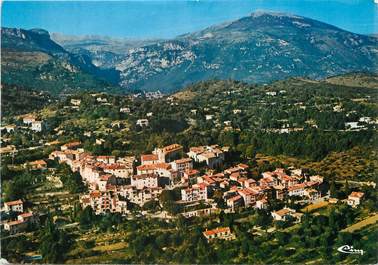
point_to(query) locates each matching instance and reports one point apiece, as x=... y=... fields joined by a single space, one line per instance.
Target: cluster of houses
x=113 y=182
x=241 y=191
x=102 y=174
x=212 y=155
x=23 y=220
x=30 y=122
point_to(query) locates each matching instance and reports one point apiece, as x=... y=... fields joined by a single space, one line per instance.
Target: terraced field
x=358 y=226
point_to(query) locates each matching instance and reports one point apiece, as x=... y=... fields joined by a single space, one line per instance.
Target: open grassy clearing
x=100 y=259
x=313 y=207
x=358 y=226
x=343 y=165
x=111 y=247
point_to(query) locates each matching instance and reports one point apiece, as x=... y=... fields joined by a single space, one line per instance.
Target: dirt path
x=357 y=226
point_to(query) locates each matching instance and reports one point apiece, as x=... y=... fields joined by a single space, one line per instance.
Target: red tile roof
x=235 y=198
x=197 y=149
x=357 y=194
x=105 y=157
x=12 y=203
x=114 y=166
x=72 y=144
x=285 y=177
x=183 y=160
x=25 y=215
x=282 y=212
x=38 y=162
x=148 y=157
x=105 y=177
x=217 y=231
x=154 y=166
x=171 y=148
x=250 y=181
x=192 y=172
x=95 y=194
x=143 y=176
x=247 y=192
x=243 y=166
x=17 y=222
x=208 y=154
x=220 y=175
x=297 y=187
x=267 y=179
x=85 y=200
x=263 y=200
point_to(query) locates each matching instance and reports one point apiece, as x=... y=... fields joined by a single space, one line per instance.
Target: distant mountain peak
x=262 y=13
x=41 y=32
x=260 y=48
x=29 y=40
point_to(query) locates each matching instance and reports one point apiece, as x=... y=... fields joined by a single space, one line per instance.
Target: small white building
x=75 y=102
x=353 y=125
x=37 y=126
x=142 y=122
x=101 y=100
x=14 y=206
x=195 y=193
x=10 y=128
x=249 y=196
x=209 y=117
x=28 y=119
x=182 y=165
x=124 y=110
x=297 y=190
x=149 y=159
x=261 y=204
x=219 y=233
x=145 y=180
x=281 y=215
x=15 y=227
x=354 y=199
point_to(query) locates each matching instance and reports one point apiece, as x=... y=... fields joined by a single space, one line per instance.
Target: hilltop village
x=112 y=183
x=116 y=183
x=106 y=176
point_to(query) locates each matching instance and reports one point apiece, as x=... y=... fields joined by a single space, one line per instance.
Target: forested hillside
x=16 y=100
x=305 y=119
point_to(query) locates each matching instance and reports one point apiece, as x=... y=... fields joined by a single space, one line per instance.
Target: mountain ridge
x=32 y=59
x=260 y=48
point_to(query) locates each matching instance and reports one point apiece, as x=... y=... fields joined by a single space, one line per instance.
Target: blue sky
x=166 y=19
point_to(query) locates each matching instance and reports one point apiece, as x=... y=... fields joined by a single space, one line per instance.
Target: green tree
x=55 y=243
x=332 y=189
x=250 y=152
x=87 y=217
x=18 y=187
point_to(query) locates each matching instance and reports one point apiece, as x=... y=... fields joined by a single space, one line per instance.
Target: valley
x=260 y=48
x=318 y=135
x=253 y=141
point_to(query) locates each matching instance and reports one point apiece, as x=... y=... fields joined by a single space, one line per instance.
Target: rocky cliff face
x=259 y=48
x=31 y=59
